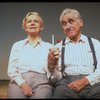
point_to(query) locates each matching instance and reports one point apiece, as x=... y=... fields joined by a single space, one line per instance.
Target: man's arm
x=53 y=58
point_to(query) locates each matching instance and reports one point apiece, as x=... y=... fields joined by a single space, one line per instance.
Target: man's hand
x=26 y=88
x=53 y=57
x=79 y=84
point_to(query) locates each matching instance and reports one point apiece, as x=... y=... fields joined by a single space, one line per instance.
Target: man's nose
x=68 y=25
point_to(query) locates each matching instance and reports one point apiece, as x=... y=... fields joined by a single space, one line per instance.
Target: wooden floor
x=3 y=89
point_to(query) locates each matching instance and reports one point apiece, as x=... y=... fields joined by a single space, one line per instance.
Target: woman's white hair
x=29 y=14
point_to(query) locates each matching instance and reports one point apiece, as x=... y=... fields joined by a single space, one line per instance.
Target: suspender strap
x=92 y=49
x=93 y=52
x=62 y=56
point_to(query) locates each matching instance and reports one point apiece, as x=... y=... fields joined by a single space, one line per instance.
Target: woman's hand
x=26 y=88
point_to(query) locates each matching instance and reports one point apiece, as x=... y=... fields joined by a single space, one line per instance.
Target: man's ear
x=81 y=23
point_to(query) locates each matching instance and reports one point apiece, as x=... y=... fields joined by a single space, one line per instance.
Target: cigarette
x=53 y=39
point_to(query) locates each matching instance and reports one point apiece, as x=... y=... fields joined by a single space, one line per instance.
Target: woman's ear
x=42 y=28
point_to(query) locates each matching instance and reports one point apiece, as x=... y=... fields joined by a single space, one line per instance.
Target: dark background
x=12 y=14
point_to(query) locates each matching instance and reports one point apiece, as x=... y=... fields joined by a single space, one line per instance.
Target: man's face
x=71 y=25
x=33 y=24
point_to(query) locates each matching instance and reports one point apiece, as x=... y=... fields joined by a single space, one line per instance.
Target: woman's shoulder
x=19 y=43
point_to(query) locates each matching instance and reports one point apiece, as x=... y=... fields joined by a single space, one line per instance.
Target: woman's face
x=33 y=24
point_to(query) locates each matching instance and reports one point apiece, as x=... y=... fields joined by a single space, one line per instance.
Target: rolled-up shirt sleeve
x=54 y=75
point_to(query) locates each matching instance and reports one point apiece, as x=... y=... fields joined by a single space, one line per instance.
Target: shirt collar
x=38 y=42
x=82 y=39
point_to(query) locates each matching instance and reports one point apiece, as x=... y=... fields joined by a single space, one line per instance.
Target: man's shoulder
x=94 y=40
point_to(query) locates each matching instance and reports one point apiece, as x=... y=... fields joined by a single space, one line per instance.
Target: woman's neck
x=33 y=39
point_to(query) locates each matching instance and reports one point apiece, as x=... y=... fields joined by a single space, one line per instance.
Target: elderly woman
x=28 y=62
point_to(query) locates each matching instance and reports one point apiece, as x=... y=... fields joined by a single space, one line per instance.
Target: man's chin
x=71 y=36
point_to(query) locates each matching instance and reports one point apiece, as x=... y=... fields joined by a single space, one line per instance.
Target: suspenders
x=93 y=52
x=92 y=49
x=62 y=56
